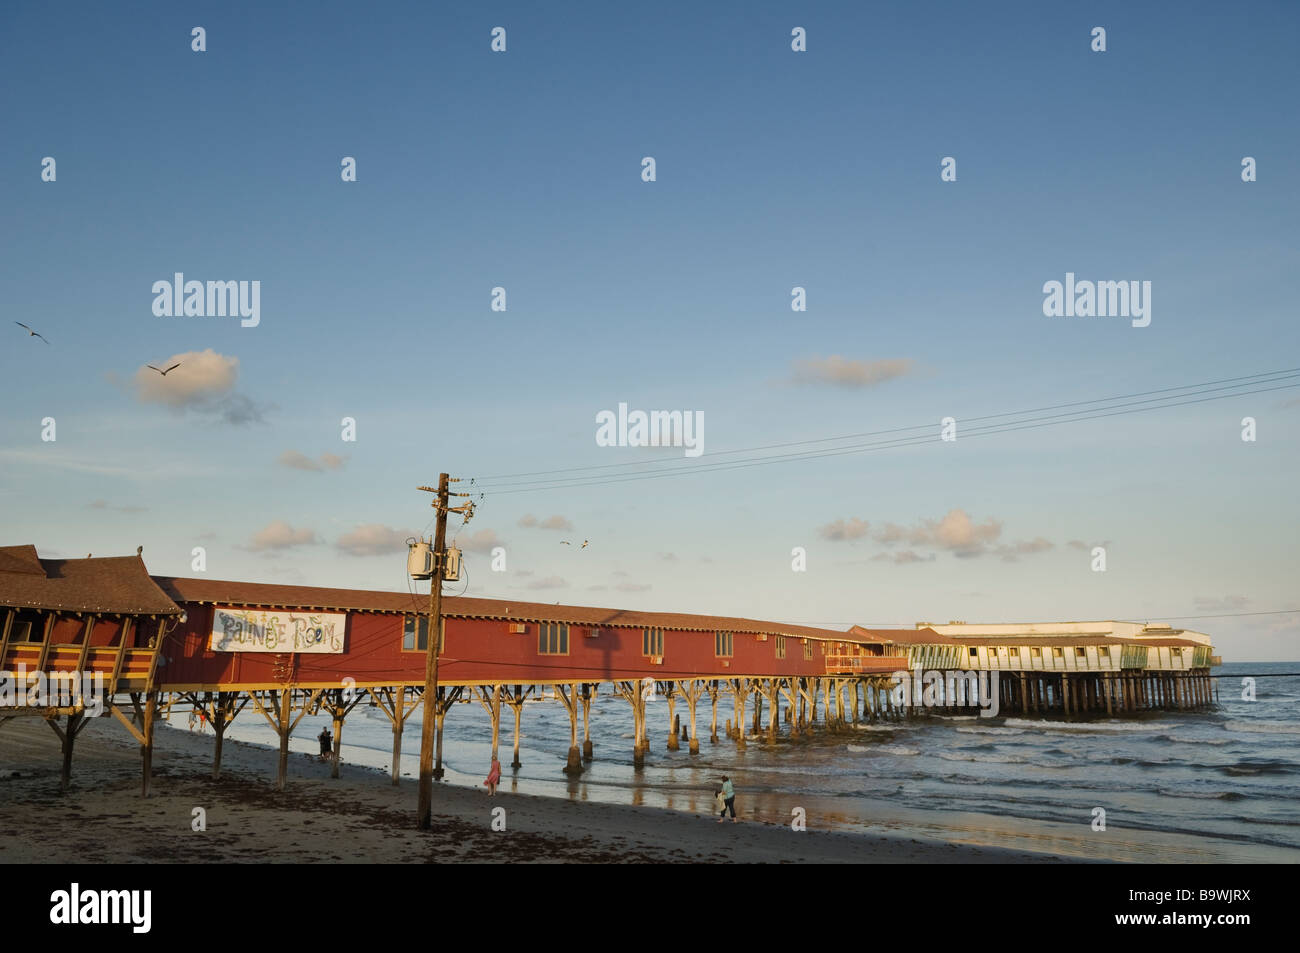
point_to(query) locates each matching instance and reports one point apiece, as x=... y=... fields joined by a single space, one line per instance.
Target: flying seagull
x=162 y=372
x=565 y=542
x=584 y=545
x=30 y=332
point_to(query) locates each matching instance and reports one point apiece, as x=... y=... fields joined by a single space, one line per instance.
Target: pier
x=141 y=645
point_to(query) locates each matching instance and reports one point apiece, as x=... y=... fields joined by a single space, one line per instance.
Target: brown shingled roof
x=214 y=591
x=901 y=636
x=112 y=584
x=20 y=559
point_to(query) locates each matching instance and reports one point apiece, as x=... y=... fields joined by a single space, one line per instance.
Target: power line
x=1007 y=427
x=925 y=426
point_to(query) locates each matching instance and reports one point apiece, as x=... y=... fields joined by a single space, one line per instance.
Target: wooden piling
x=587 y=696
x=399 y=710
x=146 y=749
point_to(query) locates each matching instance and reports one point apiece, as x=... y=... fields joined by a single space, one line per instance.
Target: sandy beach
x=361 y=817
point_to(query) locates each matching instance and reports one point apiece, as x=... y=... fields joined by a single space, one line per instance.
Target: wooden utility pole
x=424 y=813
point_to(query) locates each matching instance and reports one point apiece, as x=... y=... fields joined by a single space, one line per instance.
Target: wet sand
x=361 y=817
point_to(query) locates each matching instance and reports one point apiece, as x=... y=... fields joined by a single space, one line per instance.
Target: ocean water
x=1222 y=785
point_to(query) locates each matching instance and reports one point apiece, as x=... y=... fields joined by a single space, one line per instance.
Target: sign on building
x=271 y=630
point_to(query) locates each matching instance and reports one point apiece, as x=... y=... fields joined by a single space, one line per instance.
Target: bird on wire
x=161 y=371
x=30 y=332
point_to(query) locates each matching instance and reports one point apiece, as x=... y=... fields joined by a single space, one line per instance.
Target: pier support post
x=631 y=692
x=146 y=749
x=492 y=705
x=588 y=694
x=691 y=690
x=443 y=705
x=337 y=711
x=673 y=724
x=515 y=699
x=713 y=724
x=569 y=697
x=67 y=735
x=789 y=688
x=286 y=712
x=740 y=688
x=222 y=713
x=399 y=710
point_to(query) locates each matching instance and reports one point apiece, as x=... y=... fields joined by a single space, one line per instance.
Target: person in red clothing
x=494 y=777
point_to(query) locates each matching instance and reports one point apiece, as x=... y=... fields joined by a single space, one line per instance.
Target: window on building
x=652 y=641
x=1080 y=653
x=553 y=638
x=1057 y=653
x=1014 y=651
x=1035 y=652
x=780 y=646
x=27 y=630
x=722 y=644
x=807 y=648
x=415 y=634
x=1104 y=652
x=974 y=652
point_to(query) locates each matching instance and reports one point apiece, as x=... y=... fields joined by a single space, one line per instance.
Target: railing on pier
x=865 y=664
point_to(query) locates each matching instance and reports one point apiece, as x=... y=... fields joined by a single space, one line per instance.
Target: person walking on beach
x=719 y=804
x=325 y=739
x=728 y=800
x=493 y=778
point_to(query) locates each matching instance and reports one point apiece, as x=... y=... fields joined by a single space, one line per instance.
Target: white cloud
x=278 y=535
x=484 y=541
x=374 y=539
x=530 y=521
x=300 y=461
x=204 y=382
x=842 y=530
x=549 y=582
x=843 y=372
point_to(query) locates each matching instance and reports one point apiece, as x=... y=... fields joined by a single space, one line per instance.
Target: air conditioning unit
x=656 y=660
x=451 y=569
x=518 y=628
x=762 y=637
x=593 y=633
x=726 y=663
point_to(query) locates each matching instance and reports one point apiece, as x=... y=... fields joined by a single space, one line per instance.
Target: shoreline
x=362 y=817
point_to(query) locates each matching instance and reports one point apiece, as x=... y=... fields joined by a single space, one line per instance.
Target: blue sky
x=774 y=169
